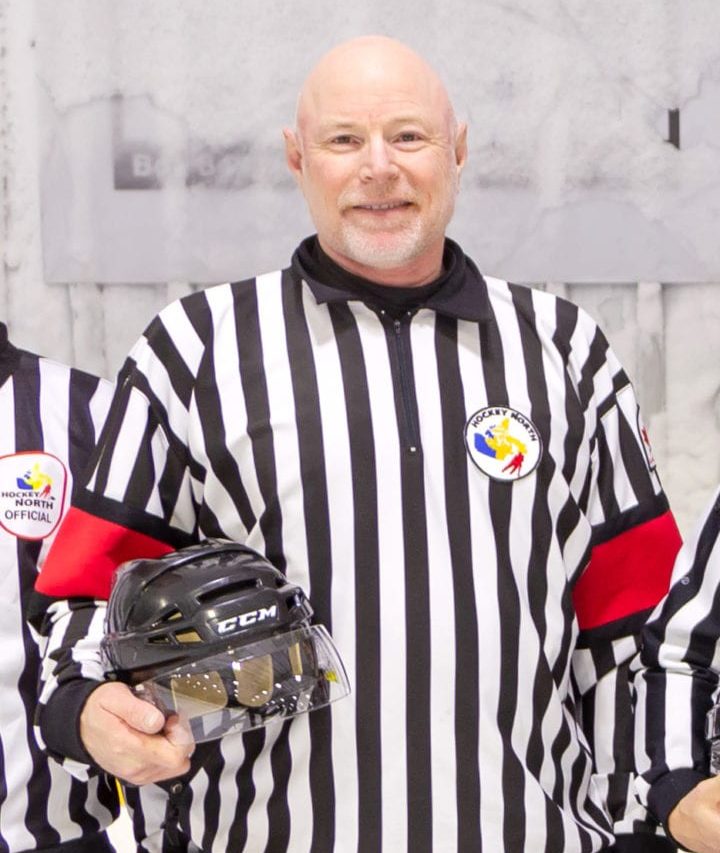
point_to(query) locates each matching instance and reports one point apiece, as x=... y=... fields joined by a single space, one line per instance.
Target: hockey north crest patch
x=32 y=494
x=503 y=443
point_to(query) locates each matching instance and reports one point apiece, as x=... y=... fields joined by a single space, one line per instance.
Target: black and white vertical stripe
x=44 y=406
x=331 y=437
x=679 y=679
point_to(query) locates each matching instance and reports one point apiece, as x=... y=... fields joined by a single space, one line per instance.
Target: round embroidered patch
x=32 y=493
x=503 y=443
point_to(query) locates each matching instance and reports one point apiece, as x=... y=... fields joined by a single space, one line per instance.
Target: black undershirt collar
x=459 y=292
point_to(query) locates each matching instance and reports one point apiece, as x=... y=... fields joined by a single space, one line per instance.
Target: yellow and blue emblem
x=33 y=489
x=503 y=443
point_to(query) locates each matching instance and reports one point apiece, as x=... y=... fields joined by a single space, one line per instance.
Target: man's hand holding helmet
x=130 y=738
x=202 y=642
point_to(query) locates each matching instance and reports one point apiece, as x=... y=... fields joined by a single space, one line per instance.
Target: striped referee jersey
x=677 y=683
x=48 y=418
x=465 y=492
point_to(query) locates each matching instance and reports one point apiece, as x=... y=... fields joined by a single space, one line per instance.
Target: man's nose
x=379 y=161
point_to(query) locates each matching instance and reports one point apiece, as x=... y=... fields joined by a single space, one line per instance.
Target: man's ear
x=293 y=153
x=461 y=149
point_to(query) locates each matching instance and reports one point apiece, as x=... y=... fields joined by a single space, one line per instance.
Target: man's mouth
x=385 y=205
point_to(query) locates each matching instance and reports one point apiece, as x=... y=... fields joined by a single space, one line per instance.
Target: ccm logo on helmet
x=243 y=620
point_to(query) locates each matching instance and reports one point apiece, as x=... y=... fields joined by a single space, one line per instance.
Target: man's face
x=378 y=158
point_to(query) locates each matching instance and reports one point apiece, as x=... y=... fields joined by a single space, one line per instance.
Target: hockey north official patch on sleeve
x=33 y=486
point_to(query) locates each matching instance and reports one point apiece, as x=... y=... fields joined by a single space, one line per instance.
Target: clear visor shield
x=248 y=686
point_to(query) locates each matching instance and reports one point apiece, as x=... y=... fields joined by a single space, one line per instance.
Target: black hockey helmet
x=215 y=634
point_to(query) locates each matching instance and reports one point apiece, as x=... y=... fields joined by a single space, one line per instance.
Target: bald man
x=452 y=467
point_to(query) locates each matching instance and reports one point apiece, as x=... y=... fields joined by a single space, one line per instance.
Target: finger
x=137 y=713
x=178 y=732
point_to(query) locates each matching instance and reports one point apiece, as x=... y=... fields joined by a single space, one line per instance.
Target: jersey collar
x=462 y=291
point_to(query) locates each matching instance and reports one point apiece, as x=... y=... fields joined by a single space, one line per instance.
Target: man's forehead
x=337 y=108
x=373 y=76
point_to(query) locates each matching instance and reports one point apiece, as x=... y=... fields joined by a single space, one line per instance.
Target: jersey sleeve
x=627 y=571
x=677 y=680
x=137 y=500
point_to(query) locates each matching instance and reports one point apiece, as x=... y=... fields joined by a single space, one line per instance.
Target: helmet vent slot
x=228 y=590
x=189 y=636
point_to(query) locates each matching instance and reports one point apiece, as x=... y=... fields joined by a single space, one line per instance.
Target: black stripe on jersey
x=221 y=460
x=620 y=381
x=595 y=361
x=211 y=801
x=169 y=484
x=417 y=589
x=3 y=791
x=9 y=359
x=181 y=379
x=277 y=807
x=542 y=531
x=224 y=465
x=317 y=532
x=133 y=519
x=197 y=310
x=367 y=583
x=500 y=502
x=29 y=436
x=634 y=460
x=654 y=507
x=138 y=819
x=78 y=799
x=112 y=425
x=606 y=476
x=81 y=390
x=457 y=508
x=627 y=626
x=253 y=742
x=142 y=477
x=259 y=429
x=566 y=317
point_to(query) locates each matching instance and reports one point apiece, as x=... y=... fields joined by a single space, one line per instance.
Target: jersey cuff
x=59 y=720
x=669 y=789
x=640 y=842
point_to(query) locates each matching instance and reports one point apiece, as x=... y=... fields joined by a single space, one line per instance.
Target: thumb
x=139 y=714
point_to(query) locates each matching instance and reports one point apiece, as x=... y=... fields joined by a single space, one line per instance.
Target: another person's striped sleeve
x=678 y=683
x=49 y=414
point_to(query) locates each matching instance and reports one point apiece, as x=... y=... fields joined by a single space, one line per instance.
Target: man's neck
x=428 y=267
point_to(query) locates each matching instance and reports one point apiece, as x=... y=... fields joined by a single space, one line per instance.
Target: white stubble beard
x=402 y=247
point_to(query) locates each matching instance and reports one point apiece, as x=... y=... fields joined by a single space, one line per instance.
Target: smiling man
x=378 y=154
x=452 y=467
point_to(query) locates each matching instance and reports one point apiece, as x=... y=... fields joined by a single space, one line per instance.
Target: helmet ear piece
x=216 y=634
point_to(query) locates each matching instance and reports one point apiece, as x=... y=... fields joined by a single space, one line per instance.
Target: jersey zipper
x=398 y=334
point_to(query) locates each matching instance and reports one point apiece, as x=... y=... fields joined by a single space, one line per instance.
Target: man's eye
x=342 y=139
x=409 y=136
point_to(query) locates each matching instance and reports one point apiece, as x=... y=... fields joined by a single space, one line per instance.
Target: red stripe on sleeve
x=627 y=574
x=86 y=552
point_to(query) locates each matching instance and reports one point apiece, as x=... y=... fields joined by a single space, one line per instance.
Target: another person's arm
x=676 y=687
